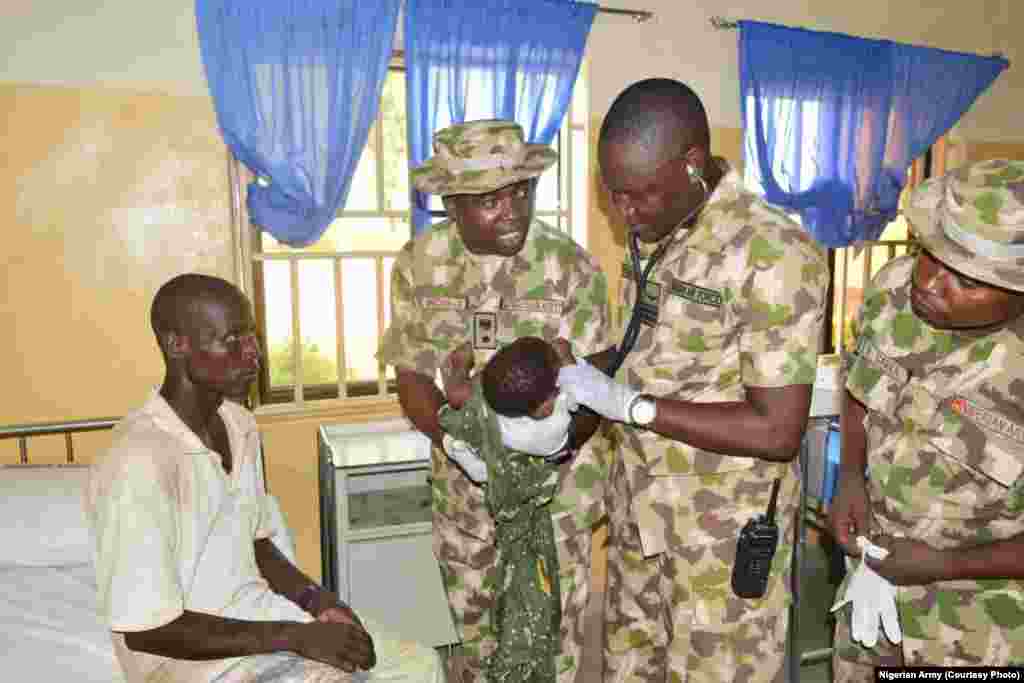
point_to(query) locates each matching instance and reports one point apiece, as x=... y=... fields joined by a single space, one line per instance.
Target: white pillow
x=42 y=521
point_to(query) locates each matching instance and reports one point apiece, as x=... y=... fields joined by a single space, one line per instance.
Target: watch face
x=643 y=411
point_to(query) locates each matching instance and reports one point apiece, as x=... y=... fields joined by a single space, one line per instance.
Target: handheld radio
x=755 y=549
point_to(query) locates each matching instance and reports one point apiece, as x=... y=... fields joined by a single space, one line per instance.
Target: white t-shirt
x=175 y=532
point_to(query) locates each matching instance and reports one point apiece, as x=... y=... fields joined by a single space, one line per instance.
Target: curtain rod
x=640 y=16
x=723 y=24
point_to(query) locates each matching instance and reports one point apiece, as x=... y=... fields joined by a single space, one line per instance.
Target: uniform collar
x=708 y=233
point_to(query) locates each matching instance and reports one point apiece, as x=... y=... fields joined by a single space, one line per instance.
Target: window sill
x=331 y=410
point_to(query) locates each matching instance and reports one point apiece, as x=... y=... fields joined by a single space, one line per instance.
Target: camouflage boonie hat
x=477 y=157
x=972 y=219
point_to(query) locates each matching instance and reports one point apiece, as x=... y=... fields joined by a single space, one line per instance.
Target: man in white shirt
x=190 y=579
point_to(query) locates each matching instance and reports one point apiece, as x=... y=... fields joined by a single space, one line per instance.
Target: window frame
x=374 y=396
x=932 y=163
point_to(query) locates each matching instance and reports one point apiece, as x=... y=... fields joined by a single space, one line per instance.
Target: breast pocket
x=446 y=327
x=687 y=350
x=981 y=460
x=530 y=318
x=874 y=380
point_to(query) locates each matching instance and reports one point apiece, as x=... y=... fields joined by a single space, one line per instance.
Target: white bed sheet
x=50 y=628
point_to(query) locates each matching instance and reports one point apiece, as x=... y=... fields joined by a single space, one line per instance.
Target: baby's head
x=522 y=379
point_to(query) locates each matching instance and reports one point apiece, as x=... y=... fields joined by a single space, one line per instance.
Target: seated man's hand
x=342 y=644
x=327 y=607
x=455 y=374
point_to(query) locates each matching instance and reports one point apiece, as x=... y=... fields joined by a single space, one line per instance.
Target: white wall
x=147 y=45
x=153 y=46
x=678 y=42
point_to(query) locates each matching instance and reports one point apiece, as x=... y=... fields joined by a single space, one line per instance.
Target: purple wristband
x=307 y=597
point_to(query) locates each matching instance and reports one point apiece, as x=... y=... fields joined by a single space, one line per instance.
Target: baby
x=520 y=385
x=520 y=380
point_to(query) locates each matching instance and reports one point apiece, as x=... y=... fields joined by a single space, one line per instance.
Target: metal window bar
x=26 y=431
x=378 y=262
x=892 y=249
x=298 y=379
x=249 y=253
x=339 y=327
x=338 y=258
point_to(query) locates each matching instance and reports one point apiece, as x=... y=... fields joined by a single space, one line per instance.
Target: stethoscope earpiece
x=641 y=276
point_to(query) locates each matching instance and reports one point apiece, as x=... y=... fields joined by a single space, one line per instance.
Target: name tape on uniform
x=445 y=302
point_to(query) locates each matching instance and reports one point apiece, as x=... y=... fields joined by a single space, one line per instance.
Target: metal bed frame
x=26 y=431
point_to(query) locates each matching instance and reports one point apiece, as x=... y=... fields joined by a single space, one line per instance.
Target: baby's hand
x=564 y=351
x=455 y=373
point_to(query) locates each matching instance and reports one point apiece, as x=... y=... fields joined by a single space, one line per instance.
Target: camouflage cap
x=972 y=219
x=477 y=157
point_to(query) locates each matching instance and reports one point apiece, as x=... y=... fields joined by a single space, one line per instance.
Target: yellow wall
x=105 y=194
x=979 y=151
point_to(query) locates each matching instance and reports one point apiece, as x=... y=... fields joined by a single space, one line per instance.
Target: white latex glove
x=466 y=457
x=873 y=598
x=589 y=386
x=538 y=437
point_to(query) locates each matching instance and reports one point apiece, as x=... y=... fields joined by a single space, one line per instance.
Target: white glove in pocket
x=873 y=599
x=589 y=386
x=466 y=457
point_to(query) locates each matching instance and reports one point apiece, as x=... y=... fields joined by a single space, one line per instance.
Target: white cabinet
x=376 y=528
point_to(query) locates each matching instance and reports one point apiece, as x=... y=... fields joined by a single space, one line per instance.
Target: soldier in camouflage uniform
x=489 y=274
x=933 y=411
x=734 y=313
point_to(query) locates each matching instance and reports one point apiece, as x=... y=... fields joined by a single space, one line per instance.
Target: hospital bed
x=49 y=621
x=50 y=624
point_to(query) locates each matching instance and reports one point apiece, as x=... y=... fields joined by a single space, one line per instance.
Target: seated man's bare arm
x=335 y=640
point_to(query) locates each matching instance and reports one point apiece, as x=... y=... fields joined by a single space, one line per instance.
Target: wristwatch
x=642 y=410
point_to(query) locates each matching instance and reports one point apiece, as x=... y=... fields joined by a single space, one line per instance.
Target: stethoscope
x=642 y=276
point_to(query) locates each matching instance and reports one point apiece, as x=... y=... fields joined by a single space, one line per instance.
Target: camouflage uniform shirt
x=945 y=447
x=442 y=295
x=741 y=300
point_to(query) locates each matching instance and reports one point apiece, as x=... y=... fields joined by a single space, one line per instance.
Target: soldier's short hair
x=657 y=113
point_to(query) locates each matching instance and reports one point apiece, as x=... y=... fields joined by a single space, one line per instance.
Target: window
x=851 y=267
x=854 y=267
x=333 y=297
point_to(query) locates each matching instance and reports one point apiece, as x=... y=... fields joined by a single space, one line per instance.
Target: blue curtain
x=833 y=122
x=482 y=59
x=296 y=85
